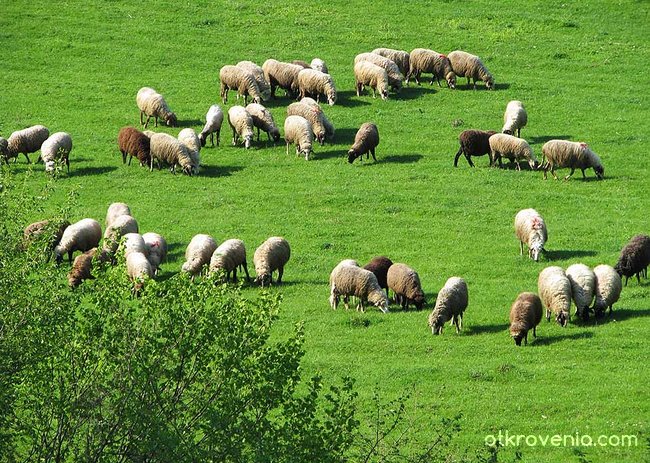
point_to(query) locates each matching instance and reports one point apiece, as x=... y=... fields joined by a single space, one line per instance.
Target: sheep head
x=263 y=279
x=562 y=318
x=352 y=155
x=600 y=172
x=247 y=141
x=170 y=120
x=451 y=80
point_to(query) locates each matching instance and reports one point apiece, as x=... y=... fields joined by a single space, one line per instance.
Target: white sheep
x=525 y=314
x=230 y=255
x=80 y=236
x=132 y=242
x=451 y=303
x=467 y=65
x=241 y=123
x=406 y=286
x=299 y=131
x=258 y=74
x=138 y=269
x=24 y=141
x=242 y=80
x=367 y=73
x=273 y=254
x=319 y=65
x=530 y=229
x=56 y=147
x=607 y=289
x=114 y=211
x=329 y=127
x=514 y=118
x=555 y=292
x=314 y=114
x=119 y=227
x=213 y=123
x=191 y=141
x=395 y=77
x=316 y=83
x=513 y=148
x=283 y=75
x=430 y=61
x=169 y=150
x=583 y=285
x=263 y=120
x=154 y=105
x=576 y=155
x=365 y=142
x=400 y=57
x=198 y=254
x=156 y=250
x=348 y=280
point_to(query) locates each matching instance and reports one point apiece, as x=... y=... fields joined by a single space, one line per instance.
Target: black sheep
x=634 y=258
x=473 y=143
x=379 y=266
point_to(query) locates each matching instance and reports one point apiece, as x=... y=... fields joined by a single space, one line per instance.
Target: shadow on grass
x=545 y=138
x=402 y=158
x=190 y=123
x=411 y=93
x=562 y=254
x=345 y=99
x=486 y=329
x=345 y=135
x=322 y=155
x=218 y=171
x=616 y=316
x=91 y=170
x=542 y=340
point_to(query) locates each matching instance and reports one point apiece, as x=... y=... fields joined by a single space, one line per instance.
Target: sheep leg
x=548 y=315
x=469 y=160
x=280 y=272
x=287 y=148
x=518 y=133
x=517 y=164
x=248 y=277
x=534 y=331
x=372 y=151
x=67 y=163
x=553 y=172
x=234 y=137
x=346 y=302
x=218 y=137
x=146 y=123
x=359 y=87
x=141 y=120
x=521 y=248
x=70 y=256
x=573 y=169
x=26 y=157
x=526 y=339
x=460 y=151
x=584 y=177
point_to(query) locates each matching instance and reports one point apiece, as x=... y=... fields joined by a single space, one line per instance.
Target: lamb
x=213 y=122
x=634 y=258
x=52 y=228
x=83 y=265
x=525 y=314
x=56 y=147
x=198 y=254
x=555 y=292
x=563 y=153
x=154 y=105
x=367 y=73
x=467 y=65
x=299 y=130
x=515 y=118
x=405 y=284
x=399 y=57
x=242 y=125
x=169 y=150
x=134 y=143
x=283 y=75
x=365 y=141
x=138 y=269
x=80 y=236
x=155 y=250
x=429 y=61
x=316 y=83
x=511 y=147
x=236 y=78
x=230 y=255
x=119 y=227
x=314 y=114
x=191 y=141
x=450 y=305
x=349 y=280
x=530 y=229
x=379 y=266
x=583 y=284
x=24 y=141
x=263 y=120
x=319 y=65
x=607 y=289
x=258 y=74
x=273 y=254
x=473 y=143
x=395 y=77
x=114 y=211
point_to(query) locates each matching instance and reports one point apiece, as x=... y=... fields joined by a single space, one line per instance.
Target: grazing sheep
x=53 y=228
x=169 y=150
x=634 y=258
x=198 y=254
x=515 y=118
x=450 y=305
x=213 y=122
x=525 y=314
x=319 y=65
x=24 y=141
x=315 y=83
x=273 y=254
x=242 y=125
x=350 y=280
x=114 y=211
x=555 y=292
x=399 y=57
x=395 y=77
x=470 y=66
x=405 y=284
x=283 y=75
x=563 y=153
x=367 y=73
x=531 y=232
x=138 y=269
x=429 y=61
x=473 y=143
x=154 y=105
x=258 y=74
x=263 y=120
x=607 y=289
x=511 y=147
x=365 y=142
x=80 y=236
x=583 y=284
x=191 y=141
x=156 y=250
x=298 y=130
x=236 y=78
x=314 y=114
x=132 y=242
x=83 y=265
x=134 y=143
x=379 y=266
x=56 y=147
x=301 y=63
x=116 y=230
x=329 y=127
x=230 y=255
x=4 y=145
x=148 y=133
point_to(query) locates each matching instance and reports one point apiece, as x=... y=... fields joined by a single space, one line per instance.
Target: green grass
x=579 y=68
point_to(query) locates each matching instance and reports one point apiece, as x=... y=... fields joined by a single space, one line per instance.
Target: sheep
x=563 y=153
x=53 y=228
x=555 y=292
x=116 y=230
x=350 y=280
x=114 y=211
x=511 y=147
x=191 y=141
x=299 y=130
x=450 y=305
x=365 y=141
x=405 y=284
x=399 y=57
x=283 y=75
x=379 y=266
x=198 y=254
x=607 y=289
x=24 y=141
x=367 y=73
x=273 y=254
x=583 y=283
x=319 y=65
x=395 y=77
x=634 y=258
x=514 y=118
x=80 y=236
x=263 y=119
x=429 y=61
x=525 y=314
x=4 y=145
x=138 y=269
x=242 y=125
x=83 y=265
x=169 y=150
x=258 y=74
x=316 y=83
x=301 y=63
x=242 y=80
x=132 y=142
x=56 y=147
x=156 y=250
x=470 y=66
x=148 y=133
x=213 y=122
x=473 y=143
x=329 y=127
x=314 y=114
x=132 y=242
x=230 y=255
x=530 y=229
x=154 y=105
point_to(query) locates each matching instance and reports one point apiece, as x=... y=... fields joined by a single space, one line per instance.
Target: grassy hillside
x=578 y=67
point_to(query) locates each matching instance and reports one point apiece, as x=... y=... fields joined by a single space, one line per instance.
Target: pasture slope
x=579 y=67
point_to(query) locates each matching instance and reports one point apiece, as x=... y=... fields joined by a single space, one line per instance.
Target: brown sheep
x=365 y=142
x=473 y=143
x=134 y=143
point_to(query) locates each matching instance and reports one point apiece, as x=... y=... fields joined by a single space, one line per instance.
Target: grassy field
x=580 y=69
